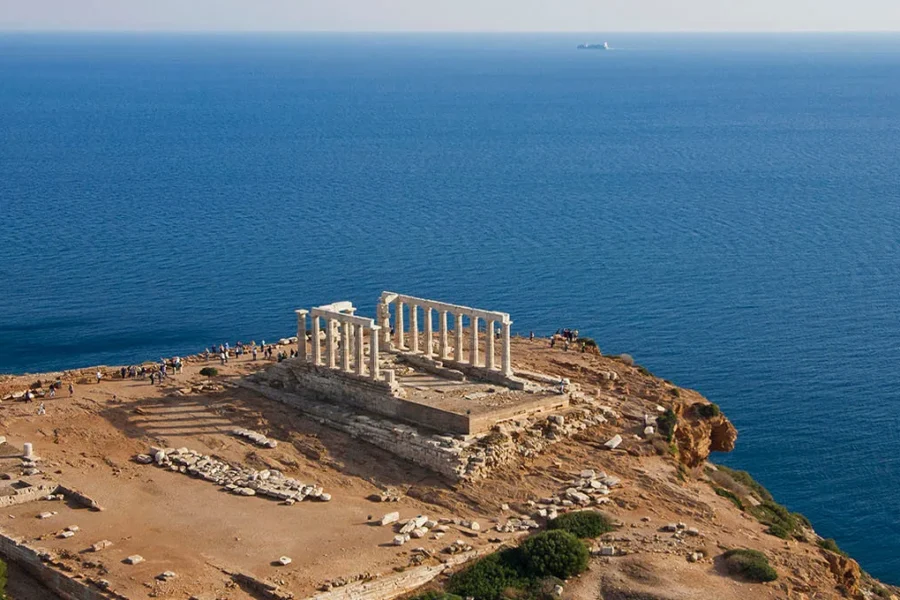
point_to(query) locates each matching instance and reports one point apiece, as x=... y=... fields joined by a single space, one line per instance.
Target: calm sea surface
x=725 y=208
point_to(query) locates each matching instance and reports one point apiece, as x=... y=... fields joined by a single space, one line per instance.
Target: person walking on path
x=71 y=389
x=99 y=376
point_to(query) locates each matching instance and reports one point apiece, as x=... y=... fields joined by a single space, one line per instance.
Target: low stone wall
x=35 y=491
x=438 y=453
x=372 y=396
x=530 y=409
x=61 y=583
x=394 y=585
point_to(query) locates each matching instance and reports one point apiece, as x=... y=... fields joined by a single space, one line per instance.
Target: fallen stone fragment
x=166 y=575
x=144 y=459
x=401 y=539
x=101 y=545
x=391 y=517
x=614 y=442
x=134 y=559
x=284 y=561
x=66 y=534
x=45 y=515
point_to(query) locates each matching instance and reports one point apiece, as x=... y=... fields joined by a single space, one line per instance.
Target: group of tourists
x=226 y=352
x=568 y=336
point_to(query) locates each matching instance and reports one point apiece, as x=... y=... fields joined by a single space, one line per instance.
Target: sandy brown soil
x=194 y=528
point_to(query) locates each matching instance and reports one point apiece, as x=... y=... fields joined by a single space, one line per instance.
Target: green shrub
x=589 y=342
x=675 y=392
x=436 y=595
x=831 y=546
x=209 y=371
x=3 y=575
x=744 y=478
x=36 y=385
x=488 y=578
x=582 y=524
x=782 y=522
x=542 y=589
x=666 y=424
x=557 y=553
x=627 y=359
x=708 y=411
x=731 y=496
x=752 y=565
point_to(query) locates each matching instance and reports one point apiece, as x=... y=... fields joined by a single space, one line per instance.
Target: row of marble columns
x=444 y=347
x=352 y=334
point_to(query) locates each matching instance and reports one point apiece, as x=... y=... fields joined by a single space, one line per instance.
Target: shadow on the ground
x=157 y=418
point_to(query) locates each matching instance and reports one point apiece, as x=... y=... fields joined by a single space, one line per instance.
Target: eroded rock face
x=697 y=434
x=846 y=572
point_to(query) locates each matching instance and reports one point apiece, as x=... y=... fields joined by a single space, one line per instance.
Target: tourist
x=41 y=410
x=552 y=341
x=71 y=389
x=562 y=385
x=566 y=345
x=152 y=376
x=122 y=372
x=53 y=391
x=531 y=337
x=28 y=396
x=99 y=376
x=254 y=353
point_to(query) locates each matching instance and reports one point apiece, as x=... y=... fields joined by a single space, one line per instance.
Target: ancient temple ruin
x=446 y=376
x=426 y=391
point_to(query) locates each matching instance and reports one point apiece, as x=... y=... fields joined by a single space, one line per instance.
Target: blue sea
x=726 y=208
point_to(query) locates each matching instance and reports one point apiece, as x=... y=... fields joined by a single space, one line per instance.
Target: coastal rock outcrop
x=701 y=429
x=846 y=572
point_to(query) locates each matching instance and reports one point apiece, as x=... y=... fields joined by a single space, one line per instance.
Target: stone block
x=391 y=517
x=134 y=559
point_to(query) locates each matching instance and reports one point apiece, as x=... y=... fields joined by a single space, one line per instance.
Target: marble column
x=442 y=352
x=329 y=342
x=398 y=325
x=373 y=356
x=360 y=350
x=429 y=334
x=473 y=348
x=414 y=327
x=316 y=342
x=301 y=333
x=489 y=346
x=345 y=346
x=458 y=330
x=506 y=363
x=385 y=323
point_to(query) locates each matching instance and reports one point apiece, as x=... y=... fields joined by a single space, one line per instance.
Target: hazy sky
x=453 y=15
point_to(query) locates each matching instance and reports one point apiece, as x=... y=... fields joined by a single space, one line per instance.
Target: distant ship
x=603 y=46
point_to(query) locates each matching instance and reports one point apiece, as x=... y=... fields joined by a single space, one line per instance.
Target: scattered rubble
x=257 y=438
x=241 y=481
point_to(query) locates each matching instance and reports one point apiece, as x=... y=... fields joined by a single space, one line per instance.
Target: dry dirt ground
x=200 y=532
